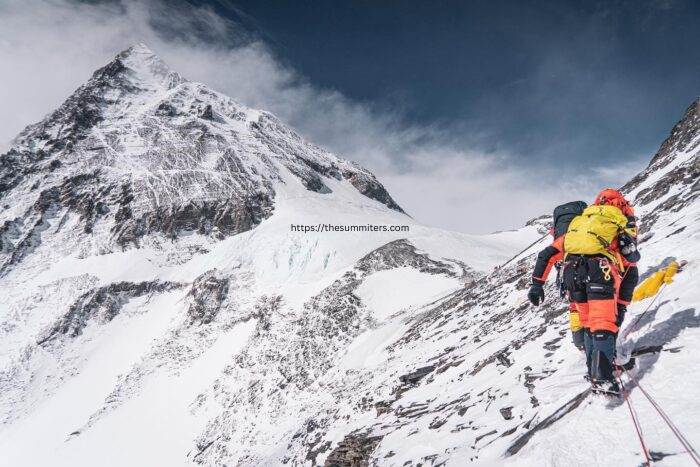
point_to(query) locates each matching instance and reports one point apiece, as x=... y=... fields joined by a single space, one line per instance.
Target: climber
x=552 y=257
x=600 y=274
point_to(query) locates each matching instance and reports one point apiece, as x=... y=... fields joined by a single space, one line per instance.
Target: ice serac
x=157 y=308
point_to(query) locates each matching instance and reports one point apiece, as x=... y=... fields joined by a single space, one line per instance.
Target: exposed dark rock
x=86 y=195
x=414 y=410
x=506 y=413
x=682 y=134
x=480 y=437
x=417 y=375
x=552 y=344
x=658 y=455
x=207 y=113
x=315 y=450
x=166 y=109
x=437 y=423
x=13 y=165
x=561 y=412
x=31 y=227
x=463 y=410
x=400 y=253
x=208 y=293
x=383 y=407
x=102 y=304
x=10 y=232
x=371 y=188
x=353 y=451
x=225 y=217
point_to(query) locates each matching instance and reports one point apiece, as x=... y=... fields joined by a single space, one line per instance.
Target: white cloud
x=49 y=47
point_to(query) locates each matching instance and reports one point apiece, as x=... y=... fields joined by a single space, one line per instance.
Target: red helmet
x=614 y=198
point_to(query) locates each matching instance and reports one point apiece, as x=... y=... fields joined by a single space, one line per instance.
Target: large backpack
x=594 y=231
x=564 y=214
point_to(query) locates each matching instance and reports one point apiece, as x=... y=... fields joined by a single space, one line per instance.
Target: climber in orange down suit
x=600 y=287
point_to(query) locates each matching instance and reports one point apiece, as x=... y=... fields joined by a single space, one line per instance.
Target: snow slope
x=495 y=381
x=147 y=261
x=181 y=321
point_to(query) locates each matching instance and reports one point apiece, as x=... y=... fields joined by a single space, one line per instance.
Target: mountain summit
x=140 y=150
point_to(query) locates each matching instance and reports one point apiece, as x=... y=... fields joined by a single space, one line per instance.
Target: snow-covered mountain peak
x=141 y=67
x=145 y=67
x=143 y=155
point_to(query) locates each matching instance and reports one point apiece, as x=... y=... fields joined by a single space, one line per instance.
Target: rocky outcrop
x=684 y=138
x=102 y=305
x=368 y=185
x=208 y=293
x=401 y=253
x=683 y=134
x=219 y=219
x=353 y=451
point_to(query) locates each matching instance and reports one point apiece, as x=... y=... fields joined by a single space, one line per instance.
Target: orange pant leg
x=602 y=315
x=602 y=300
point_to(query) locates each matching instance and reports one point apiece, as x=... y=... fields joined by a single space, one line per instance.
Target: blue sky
x=552 y=80
x=476 y=115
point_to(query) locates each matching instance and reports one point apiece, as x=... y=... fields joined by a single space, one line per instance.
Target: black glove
x=536 y=294
x=621 y=310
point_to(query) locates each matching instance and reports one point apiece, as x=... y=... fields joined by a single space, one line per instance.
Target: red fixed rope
x=634 y=418
x=677 y=433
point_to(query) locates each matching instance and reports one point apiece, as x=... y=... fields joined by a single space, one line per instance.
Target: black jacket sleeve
x=543 y=264
x=629 y=282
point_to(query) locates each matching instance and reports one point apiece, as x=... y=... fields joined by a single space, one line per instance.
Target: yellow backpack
x=592 y=232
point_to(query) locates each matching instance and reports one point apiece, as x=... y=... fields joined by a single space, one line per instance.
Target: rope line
x=637 y=427
x=688 y=447
x=634 y=324
x=523 y=250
